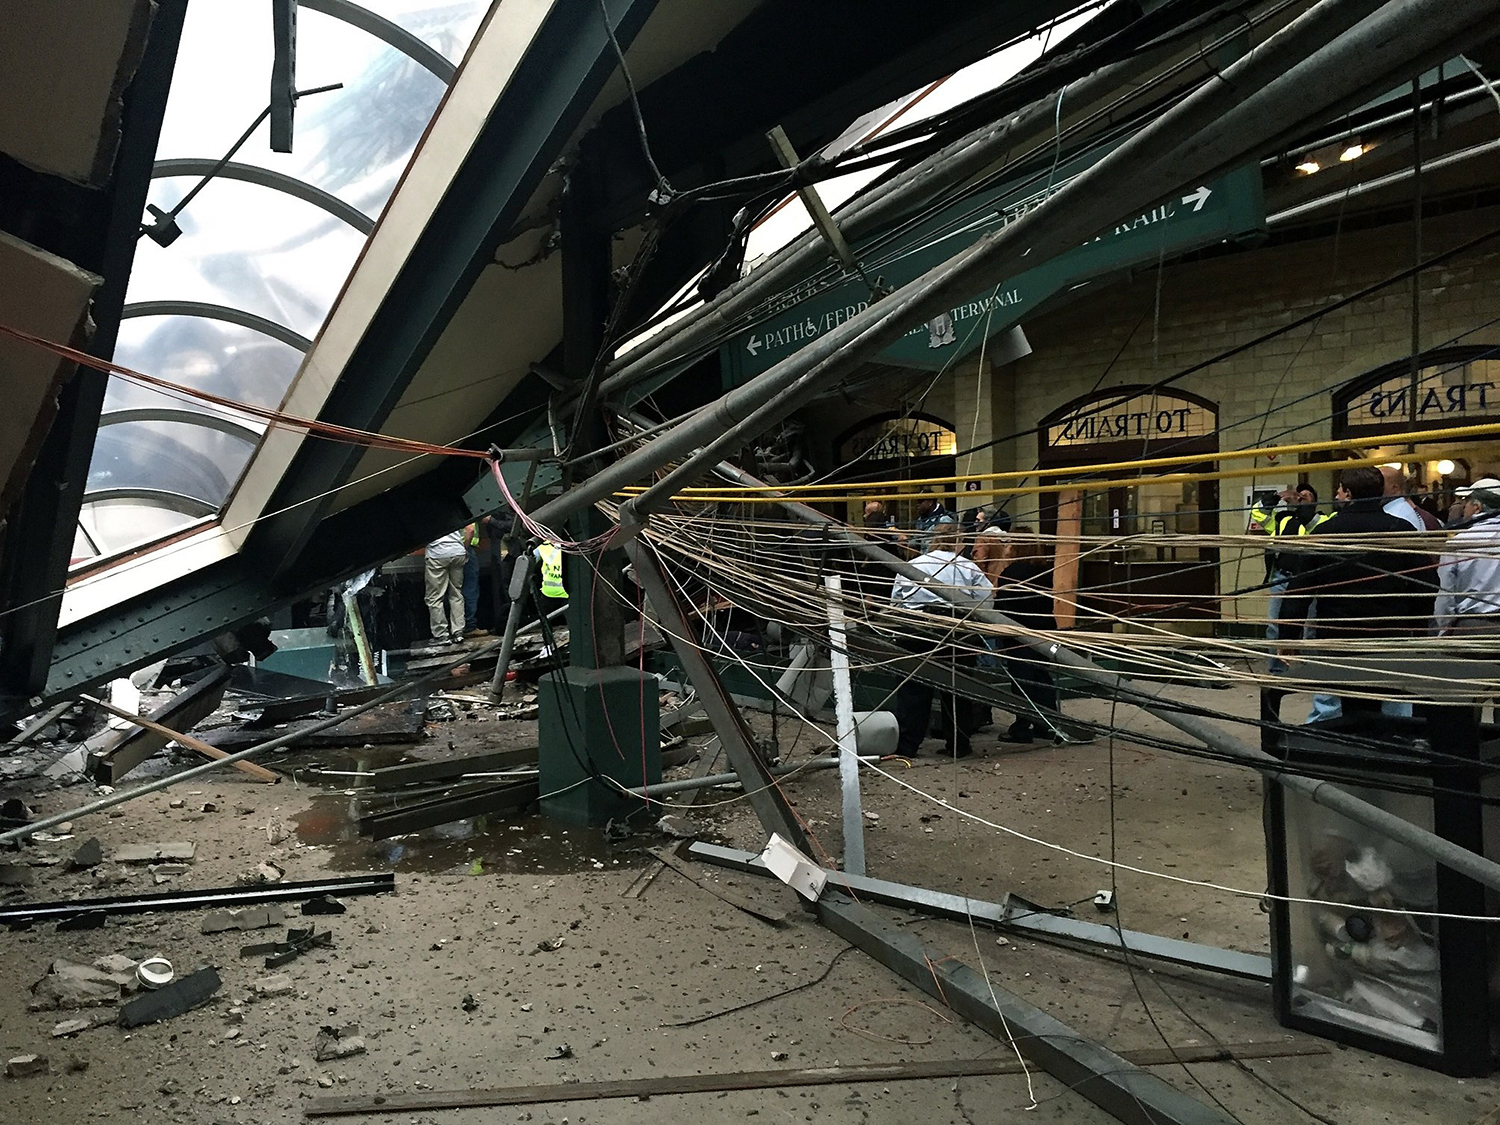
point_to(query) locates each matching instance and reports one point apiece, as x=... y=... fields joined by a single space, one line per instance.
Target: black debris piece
x=170 y=1001
x=90 y=853
x=323 y=904
x=297 y=942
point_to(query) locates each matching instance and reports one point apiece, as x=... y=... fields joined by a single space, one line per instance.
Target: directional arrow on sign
x=753 y=345
x=1198 y=198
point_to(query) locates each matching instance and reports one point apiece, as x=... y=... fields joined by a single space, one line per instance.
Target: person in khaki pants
x=444 y=574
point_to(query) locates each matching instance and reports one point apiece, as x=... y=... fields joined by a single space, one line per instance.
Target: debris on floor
x=180 y=850
x=251 y=918
x=171 y=1000
x=24 y=1066
x=679 y=827
x=338 y=1043
x=70 y=985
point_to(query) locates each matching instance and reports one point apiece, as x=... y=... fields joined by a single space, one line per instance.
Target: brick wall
x=1208 y=306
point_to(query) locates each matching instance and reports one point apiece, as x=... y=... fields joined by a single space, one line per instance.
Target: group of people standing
x=996 y=566
x=1357 y=593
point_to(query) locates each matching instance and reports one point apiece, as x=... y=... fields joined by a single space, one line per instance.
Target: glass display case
x=1360 y=959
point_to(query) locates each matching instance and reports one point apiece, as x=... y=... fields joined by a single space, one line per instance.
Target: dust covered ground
x=511 y=955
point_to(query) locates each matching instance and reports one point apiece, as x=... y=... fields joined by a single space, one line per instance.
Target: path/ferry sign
x=1201 y=215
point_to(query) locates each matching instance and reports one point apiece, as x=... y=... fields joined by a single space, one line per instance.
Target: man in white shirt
x=947 y=569
x=1469 y=574
x=1397 y=503
x=444 y=573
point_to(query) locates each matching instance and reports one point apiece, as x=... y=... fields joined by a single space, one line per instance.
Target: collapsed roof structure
x=565 y=243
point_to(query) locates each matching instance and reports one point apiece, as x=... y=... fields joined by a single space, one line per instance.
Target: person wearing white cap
x=1469 y=573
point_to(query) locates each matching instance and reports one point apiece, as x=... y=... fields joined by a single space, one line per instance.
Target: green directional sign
x=1228 y=207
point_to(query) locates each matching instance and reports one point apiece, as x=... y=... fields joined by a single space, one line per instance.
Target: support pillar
x=598 y=719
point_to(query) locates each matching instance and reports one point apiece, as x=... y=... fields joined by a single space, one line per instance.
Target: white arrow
x=754 y=345
x=1198 y=198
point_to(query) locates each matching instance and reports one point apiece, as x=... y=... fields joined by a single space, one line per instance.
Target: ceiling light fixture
x=1445 y=467
x=1353 y=152
x=1308 y=167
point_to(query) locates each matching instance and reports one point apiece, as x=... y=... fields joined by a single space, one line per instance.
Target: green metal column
x=598 y=730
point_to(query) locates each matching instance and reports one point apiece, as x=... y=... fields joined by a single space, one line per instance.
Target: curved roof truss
x=266 y=178
x=211 y=311
x=186 y=417
x=154 y=497
x=382 y=28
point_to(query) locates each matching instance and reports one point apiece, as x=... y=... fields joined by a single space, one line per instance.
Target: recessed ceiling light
x=1309 y=167
x=1353 y=152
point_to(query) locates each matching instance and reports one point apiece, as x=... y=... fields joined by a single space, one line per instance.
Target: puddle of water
x=524 y=845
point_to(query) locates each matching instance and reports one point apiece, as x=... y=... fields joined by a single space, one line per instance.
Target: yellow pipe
x=752 y=497
x=1451 y=433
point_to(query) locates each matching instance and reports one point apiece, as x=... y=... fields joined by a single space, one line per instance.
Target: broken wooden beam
x=165 y=734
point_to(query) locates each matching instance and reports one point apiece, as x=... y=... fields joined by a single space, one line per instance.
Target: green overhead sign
x=1228 y=207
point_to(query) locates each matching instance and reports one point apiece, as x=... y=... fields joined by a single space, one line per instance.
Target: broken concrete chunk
x=679 y=827
x=90 y=853
x=275 y=915
x=153 y=853
x=251 y=918
x=109 y=875
x=70 y=1027
x=15 y=875
x=70 y=766
x=118 y=966
x=67 y=985
x=24 y=1066
x=338 y=1043
x=171 y=1000
x=278 y=985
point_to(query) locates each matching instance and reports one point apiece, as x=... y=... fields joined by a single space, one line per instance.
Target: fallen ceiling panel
x=61 y=77
x=49 y=297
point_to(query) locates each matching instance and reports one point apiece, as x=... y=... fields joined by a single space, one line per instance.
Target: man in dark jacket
x=1361 y=593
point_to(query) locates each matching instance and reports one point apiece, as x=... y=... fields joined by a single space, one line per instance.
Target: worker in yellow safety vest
x=1290 y=513
x=551 y=557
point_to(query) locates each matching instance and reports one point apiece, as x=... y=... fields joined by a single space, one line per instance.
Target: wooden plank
x=441 y=769
x=135 y=744
x=260 y=773
x=1065 y=563
x=765 y=1079
x=775 y=917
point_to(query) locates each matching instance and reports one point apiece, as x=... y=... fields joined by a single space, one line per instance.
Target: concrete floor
x=629 y=967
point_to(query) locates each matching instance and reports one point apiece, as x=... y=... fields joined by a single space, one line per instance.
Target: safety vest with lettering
x=552 y=576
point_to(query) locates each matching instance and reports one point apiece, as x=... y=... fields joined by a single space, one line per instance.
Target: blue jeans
x=471 y=586
x=1277 y=592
